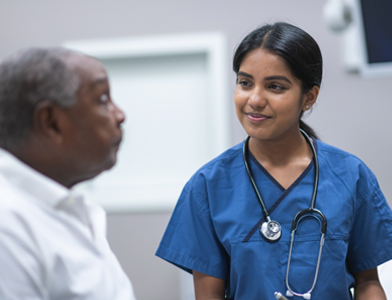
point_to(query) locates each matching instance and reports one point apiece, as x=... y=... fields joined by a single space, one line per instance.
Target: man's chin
x=94 y=173
x=111 y=161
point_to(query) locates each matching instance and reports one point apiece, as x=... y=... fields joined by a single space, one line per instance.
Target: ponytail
x=305 y=127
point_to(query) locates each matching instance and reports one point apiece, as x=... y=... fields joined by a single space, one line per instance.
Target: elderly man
x=58 y=126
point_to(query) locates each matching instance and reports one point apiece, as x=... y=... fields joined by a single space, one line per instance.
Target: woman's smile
x=256 y=117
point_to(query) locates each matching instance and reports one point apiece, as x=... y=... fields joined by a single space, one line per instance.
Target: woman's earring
x=307 y=106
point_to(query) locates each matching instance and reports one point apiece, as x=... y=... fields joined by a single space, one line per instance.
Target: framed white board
x=173 y=90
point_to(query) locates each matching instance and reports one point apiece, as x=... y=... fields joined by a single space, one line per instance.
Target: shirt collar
x=25 y=178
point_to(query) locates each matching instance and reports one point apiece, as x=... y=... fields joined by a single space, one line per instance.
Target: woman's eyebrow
x=277 y=77
x=240 y=73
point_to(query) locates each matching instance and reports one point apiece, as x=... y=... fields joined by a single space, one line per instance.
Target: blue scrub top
x=214 y=228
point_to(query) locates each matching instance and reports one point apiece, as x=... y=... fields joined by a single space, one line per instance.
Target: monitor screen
x=377 y=26
x=372 y=20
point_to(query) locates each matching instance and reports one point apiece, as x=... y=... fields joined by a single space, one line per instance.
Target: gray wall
x=352 y=113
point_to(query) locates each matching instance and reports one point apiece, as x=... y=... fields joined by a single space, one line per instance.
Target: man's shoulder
x=19 y=211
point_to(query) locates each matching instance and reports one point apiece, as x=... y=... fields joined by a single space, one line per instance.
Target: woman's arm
x=368 y=286
x=208 y=287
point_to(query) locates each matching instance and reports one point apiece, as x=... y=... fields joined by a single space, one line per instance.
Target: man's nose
x=118 y=114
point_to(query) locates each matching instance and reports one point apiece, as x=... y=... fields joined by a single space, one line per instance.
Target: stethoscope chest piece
x=271 y=231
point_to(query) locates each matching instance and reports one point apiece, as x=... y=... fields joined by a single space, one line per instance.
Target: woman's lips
x=256 y=117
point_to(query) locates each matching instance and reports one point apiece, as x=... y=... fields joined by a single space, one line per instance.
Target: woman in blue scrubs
x=214 y=229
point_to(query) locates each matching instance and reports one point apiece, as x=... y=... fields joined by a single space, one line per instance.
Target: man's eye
x=104 y=98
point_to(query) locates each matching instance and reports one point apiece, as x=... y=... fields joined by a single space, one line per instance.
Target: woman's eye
x=244 y=83
x=276 y=87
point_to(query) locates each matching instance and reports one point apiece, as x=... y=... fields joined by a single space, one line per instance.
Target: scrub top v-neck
x=214 y=226
x=272 y=192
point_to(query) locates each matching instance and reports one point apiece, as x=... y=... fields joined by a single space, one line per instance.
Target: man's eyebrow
x=99 y=80
x=277 y=77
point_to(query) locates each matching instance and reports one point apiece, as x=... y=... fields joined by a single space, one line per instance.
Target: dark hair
x=27 y=78
x=298 y=49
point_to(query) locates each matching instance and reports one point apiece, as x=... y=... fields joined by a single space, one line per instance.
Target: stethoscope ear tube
x=323 y=222
x=310 y=211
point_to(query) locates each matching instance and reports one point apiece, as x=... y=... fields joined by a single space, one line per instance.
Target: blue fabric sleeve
x=190 y=241
x=371 y=239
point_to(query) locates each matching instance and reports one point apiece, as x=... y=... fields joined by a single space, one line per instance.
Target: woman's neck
x=280 y=152
x=284 y=159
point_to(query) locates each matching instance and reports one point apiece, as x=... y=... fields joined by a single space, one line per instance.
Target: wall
x=352 y=113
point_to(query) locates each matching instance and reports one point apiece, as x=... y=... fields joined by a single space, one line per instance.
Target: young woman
x=235 y=248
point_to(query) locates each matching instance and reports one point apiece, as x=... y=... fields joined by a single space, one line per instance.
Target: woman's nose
x=257 y=98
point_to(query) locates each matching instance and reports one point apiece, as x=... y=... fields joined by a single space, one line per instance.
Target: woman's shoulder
x=225 y=163
x=343 y=162
x=226 y=159
x=332 y=152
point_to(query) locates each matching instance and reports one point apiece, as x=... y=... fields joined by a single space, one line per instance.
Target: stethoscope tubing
x=311 y=211
x=315 y=184
x=252 y=181
x=316 y=170
x=322 y=225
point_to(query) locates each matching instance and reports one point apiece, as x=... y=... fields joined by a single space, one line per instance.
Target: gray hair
x=27 y=78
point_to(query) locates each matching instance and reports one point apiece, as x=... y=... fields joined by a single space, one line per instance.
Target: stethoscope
x=272 y=231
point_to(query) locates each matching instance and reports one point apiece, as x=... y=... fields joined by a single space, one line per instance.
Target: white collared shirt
x=52 y=241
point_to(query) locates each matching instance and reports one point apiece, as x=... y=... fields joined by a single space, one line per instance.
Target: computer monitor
x=373 y=19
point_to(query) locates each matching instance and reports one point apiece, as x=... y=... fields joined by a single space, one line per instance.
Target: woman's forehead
x=264 y=60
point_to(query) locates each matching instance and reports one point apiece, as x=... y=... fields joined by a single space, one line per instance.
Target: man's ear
x=47 y=119
x=310 y=98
